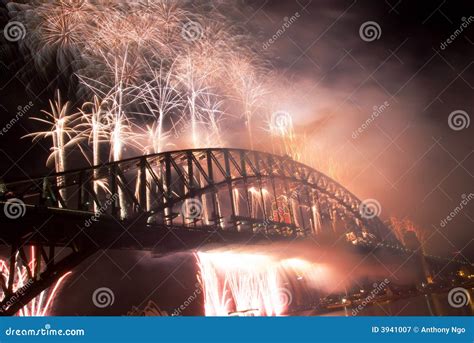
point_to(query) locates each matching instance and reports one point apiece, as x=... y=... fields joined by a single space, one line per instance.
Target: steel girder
x=239 y=193
x=155 y=186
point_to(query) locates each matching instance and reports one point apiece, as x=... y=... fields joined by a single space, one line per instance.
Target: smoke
x=374 y=115
x=327 y=268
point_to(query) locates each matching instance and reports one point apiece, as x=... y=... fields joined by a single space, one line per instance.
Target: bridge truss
x=170 y=201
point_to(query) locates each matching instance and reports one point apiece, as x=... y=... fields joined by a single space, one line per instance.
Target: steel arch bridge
x=170 y=201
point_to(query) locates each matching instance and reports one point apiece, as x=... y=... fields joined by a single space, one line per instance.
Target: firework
x=401 y=226
x=195 y=87
x=94 y=128
x=161 y=99
x=247 y=283
x=40 y=305
x=213 y=114
x=61 y=133
x=249 y=88
x=238 y=283
x=162 y=63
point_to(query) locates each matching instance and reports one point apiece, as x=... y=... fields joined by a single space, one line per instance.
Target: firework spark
x=248 y=283
x=40 y=305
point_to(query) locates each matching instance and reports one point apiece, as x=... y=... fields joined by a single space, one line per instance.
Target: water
x=435 y=304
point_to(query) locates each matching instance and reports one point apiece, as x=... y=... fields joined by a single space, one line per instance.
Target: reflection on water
x=435 y=304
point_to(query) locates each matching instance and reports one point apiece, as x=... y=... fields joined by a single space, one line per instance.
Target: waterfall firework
x=236 y=283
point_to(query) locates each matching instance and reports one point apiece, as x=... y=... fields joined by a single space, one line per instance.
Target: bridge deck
x=45 y=225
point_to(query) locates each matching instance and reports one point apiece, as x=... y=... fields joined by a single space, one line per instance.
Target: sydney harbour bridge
x=178 y=200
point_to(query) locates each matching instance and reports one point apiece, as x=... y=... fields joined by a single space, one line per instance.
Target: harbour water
x=435 y=304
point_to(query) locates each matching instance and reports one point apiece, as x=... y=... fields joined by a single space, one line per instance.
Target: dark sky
x=409 y=158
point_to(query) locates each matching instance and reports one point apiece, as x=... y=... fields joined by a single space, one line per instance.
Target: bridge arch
x=216 y=189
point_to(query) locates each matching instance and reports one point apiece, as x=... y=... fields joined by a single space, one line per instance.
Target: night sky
x=408 y=158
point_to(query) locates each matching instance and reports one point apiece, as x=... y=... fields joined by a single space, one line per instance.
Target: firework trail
x=213 y=113
x=161 y=99
x=62 y=133
x=244 y=76
x=195 y=87
x=38 y=306
x=94 y=128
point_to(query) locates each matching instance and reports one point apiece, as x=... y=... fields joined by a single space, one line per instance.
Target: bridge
x=177 y=200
